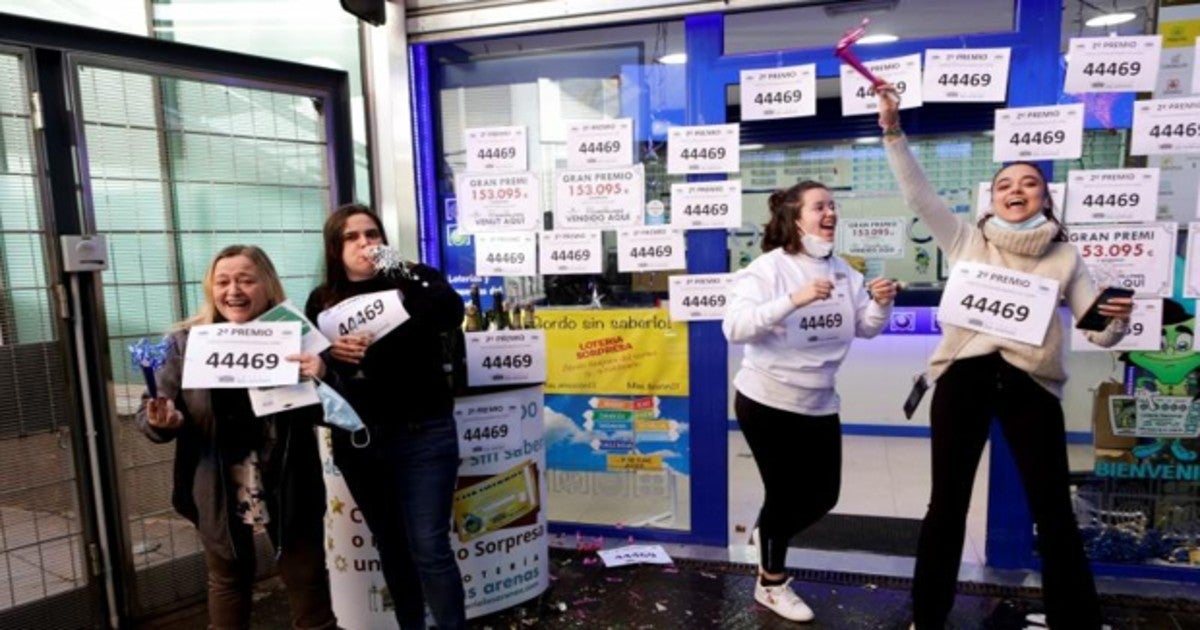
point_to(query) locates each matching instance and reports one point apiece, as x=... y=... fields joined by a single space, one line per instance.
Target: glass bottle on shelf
x=527 y=316
x=472 y=322
x=497 y=318
x=478 y=314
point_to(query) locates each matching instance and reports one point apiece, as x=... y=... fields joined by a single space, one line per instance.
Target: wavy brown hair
x=781 y=230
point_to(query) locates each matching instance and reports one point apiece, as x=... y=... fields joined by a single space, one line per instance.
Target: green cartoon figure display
x=1169 y=371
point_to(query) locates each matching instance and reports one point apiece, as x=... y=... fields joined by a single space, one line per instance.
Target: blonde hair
x=208 y=313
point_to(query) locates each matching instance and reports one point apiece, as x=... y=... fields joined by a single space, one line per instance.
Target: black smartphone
x=920 y=385
x=1092 y=319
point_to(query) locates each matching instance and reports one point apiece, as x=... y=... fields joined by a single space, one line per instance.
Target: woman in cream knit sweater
x=999 y=371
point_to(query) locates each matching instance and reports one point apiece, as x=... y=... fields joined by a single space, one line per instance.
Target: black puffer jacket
x=209 y=442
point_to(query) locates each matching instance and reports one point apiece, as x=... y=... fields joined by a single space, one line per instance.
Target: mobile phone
x=1092 y=319
x=920 y=385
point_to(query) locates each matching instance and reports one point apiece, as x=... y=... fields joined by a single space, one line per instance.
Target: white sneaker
x=783 y=600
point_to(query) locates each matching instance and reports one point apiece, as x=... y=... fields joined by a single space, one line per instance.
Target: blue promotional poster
x=617 y=433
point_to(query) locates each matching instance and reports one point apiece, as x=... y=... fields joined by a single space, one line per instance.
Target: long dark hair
x=781 y=230
x=1047 y=208
x=337 y=284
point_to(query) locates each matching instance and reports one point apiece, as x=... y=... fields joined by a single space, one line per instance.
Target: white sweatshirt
x=780 y=374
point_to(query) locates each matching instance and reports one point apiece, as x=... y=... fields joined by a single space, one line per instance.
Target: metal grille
x=41 y=561
x=178 y=169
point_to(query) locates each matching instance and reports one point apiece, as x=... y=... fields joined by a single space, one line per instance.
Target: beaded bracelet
x=893 y=132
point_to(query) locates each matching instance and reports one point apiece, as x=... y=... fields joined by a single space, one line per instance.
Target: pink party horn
x=842 y=51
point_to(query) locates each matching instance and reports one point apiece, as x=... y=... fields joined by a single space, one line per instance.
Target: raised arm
x=948 y=229
x=430 y=299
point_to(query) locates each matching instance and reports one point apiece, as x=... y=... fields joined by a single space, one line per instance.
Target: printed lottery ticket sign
x=858 y=95
x=977 y=75
x=498 y=203
x=571 y=252
x=707 y=205
x=496 y=149
x=607 y=198
x=779 y=92
x=700 y=297
x=650 y=249
x=873 y=238
x=703 y=149
x=1038 y=133
x=376 y=314
x=506 y=357
x=1113 y=64
x=241 y=355
x=1166 y=126
x=506 y=254
x=998 y=301
x=1127 y=195
x=1138 y=257
x=599 y=143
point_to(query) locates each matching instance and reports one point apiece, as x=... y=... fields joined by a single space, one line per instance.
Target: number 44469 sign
x=1038 y=133
x=506 y=357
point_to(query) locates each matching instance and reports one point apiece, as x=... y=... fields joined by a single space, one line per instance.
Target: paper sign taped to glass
x=487 y=504
x=1154 y=416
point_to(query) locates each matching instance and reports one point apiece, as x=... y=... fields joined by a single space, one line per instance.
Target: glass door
x=176 y=168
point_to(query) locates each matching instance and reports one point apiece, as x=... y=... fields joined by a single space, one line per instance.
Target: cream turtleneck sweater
x=1032 y=251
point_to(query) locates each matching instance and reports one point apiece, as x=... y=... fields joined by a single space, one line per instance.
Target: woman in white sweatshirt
x=797 y=308
x=1010 y=369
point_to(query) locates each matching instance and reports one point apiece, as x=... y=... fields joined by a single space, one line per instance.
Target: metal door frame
x=54 y=51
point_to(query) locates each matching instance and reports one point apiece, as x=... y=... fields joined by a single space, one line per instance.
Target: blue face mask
x=340 y=414
x=1032 y=222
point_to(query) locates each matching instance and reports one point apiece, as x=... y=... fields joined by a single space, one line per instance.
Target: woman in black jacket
x=236 y=473
x=403 y=479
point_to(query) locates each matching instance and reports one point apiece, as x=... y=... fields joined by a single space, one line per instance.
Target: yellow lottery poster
x=617 y=352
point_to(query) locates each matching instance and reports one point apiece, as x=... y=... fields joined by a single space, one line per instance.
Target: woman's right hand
x=350 y=348
x=818 y=290
x=162 y=414
x=889 y=106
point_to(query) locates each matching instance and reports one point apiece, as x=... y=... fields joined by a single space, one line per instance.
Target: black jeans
x=403 y=482
x=967 y=396
x=800 y=460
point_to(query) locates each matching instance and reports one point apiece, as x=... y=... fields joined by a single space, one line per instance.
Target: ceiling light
x=673 y=59
x=1111 y=19
x=866 y=140
x=878 y=38
x=752 y=147
x=855 y=7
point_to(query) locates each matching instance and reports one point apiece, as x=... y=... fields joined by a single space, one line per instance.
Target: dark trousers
x=403 y=482
x=301 y=565
x=968 y=395
x=799 y=458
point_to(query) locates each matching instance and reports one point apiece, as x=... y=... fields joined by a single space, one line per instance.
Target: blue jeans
x=403 y=482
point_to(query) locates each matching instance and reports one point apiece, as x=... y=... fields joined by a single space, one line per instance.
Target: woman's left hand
x=882 y=290
x=1117 y=308
x=311 y=365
